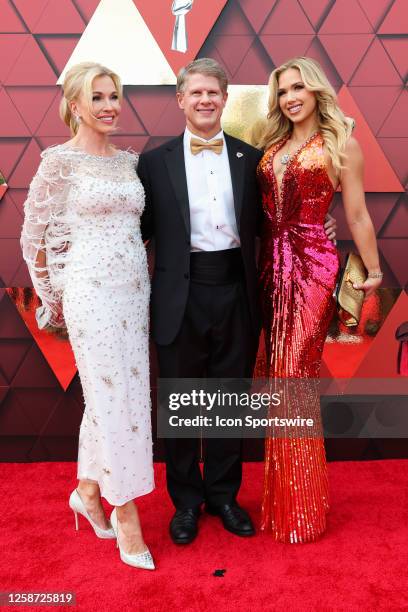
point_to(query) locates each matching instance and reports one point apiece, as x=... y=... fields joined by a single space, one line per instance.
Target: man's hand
x=330 y=227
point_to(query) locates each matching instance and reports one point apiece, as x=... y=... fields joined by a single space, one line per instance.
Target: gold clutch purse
x=350 y=300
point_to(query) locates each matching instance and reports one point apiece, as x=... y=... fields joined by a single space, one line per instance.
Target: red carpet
x=360 y=564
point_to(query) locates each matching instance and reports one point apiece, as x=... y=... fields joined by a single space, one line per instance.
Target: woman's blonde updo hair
x=334 y=126
x=78 y=80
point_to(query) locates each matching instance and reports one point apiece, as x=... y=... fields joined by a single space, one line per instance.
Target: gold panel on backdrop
x=246 y=106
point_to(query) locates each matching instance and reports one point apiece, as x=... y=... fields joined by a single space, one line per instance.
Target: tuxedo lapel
x=174 y=158
x=237 y=167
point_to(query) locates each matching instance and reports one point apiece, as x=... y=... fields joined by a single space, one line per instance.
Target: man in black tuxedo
x=202 y=207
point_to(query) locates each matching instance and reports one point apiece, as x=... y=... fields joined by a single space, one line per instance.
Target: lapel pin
x=240 y=154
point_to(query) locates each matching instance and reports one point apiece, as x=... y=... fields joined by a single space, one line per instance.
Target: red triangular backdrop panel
x=10 y=21
x=375 y=10
x=60 y=17
x=287 y=17
x=396 y=22
x=346 y=63
x=346 y=17
x=379 y=176
x=381 y=360
x=57 y=351
x=257 y=12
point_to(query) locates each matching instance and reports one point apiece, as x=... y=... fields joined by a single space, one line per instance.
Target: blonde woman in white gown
x=82 y=243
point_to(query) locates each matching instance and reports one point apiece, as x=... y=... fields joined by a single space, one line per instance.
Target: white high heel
x=77 y=505
x=143 y=560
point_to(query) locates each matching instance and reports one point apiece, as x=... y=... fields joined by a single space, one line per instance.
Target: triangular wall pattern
x=379 y=175
x=56 y=351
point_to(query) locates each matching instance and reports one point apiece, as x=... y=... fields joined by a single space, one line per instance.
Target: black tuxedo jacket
x=166 y=217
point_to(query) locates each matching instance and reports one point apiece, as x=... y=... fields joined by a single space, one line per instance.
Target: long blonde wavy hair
x=334 y=126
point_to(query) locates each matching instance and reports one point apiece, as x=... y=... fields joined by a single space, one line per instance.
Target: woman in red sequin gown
x=309 y=151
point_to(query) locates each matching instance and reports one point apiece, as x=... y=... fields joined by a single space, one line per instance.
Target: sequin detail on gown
x=298 y=270
x=86 y=210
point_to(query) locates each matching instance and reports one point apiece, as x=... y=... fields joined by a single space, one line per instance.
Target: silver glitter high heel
x=143 y=560
x=77 y=505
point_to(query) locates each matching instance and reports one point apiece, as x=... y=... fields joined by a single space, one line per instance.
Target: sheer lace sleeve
x=45 y=233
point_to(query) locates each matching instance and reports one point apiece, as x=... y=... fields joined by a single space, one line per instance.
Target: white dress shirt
x=212 y=213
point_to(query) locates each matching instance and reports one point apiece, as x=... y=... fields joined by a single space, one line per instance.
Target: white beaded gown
x=84 y=211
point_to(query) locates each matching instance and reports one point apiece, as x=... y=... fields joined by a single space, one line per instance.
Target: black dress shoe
x=234 y=518
x=184 y=525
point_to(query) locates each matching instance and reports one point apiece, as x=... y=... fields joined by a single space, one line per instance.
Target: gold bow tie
x=197 y=145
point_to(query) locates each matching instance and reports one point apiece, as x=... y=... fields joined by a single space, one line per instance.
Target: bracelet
x=375 y=275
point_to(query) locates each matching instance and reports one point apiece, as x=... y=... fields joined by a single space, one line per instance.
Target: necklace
x=287 y=156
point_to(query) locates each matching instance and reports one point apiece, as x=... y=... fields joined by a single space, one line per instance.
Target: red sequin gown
x=298 y=269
